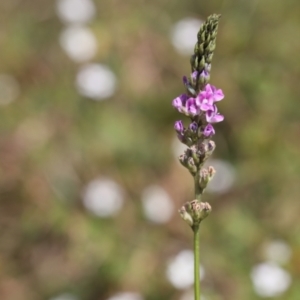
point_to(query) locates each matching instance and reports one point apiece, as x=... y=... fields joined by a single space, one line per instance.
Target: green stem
x=196 y=262
x=198 y=190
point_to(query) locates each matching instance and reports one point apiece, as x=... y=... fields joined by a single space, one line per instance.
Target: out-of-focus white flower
x=65 y=296
x=126 y=296
x=157 y=204
x=79 y=43
x=184 y=35
x=96 y=81
x=224 y=177
x=180 y=270
x=270 y=280
x=103 y=197
x=189 y=295
x=9 y=89
x=75 y=11
x=278 y=251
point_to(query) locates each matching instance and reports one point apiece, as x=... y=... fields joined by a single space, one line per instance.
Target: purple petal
x=218 y=95
x=179 y=101
x=194 y=75
x=191 y=107
x=209 y=115
x=209 y=130
x=178 y=126
x=212 y=92
x=208 y=89
x=193 y=127
x=217 y=118
x=205 y=75
x=204 y=102
x=205 y=106
x=212 y=116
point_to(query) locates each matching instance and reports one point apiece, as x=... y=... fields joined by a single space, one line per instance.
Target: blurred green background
x=55 y=143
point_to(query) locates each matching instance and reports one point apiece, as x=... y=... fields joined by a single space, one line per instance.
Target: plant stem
x=198 y=190
x=196 y=261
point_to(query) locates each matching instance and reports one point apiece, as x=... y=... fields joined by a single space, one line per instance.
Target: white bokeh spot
x=180 y=270
x=103 y=197
x=189 y=295
x=270 y=280
x=79 y=43
x=278 y=251
x=75 y=11
x=224 y=178
x=126 y=296
x=184 y=35
x=157 y=204
x=96 y=81
x=65 y=296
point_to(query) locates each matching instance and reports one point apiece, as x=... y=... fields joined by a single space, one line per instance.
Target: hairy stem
x=196 y=262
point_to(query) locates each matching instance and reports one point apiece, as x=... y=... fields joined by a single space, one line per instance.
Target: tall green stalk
x=197 y=288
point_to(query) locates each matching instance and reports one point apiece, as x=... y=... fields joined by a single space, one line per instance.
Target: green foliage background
x=53 y=141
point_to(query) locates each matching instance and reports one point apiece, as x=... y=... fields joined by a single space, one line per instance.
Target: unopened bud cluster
x=204 y=50
x=194 y=212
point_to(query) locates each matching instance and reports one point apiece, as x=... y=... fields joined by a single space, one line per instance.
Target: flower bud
x=193 y=127
x=186 y=216
x=178 y=126
x=194 y=212
x=205 y=176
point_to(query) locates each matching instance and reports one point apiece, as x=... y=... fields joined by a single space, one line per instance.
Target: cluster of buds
x=204 y=51
x=199 y=104
x=194 y=212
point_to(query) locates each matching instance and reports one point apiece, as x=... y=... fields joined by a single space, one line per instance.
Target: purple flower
x=179 y=102
x=204 y=101
x=212 y=115
x=214 y=93
x=178 y=126
x=209 y=130
x=191 y=107
x=193 y=127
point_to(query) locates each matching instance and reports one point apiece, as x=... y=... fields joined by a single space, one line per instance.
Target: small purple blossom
x=178 y=126
x=204 y=101
x=209 y=130
x=179 y=102
x=193 y=127
x=214 y=93
x=212 y=115
x=191 y=107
